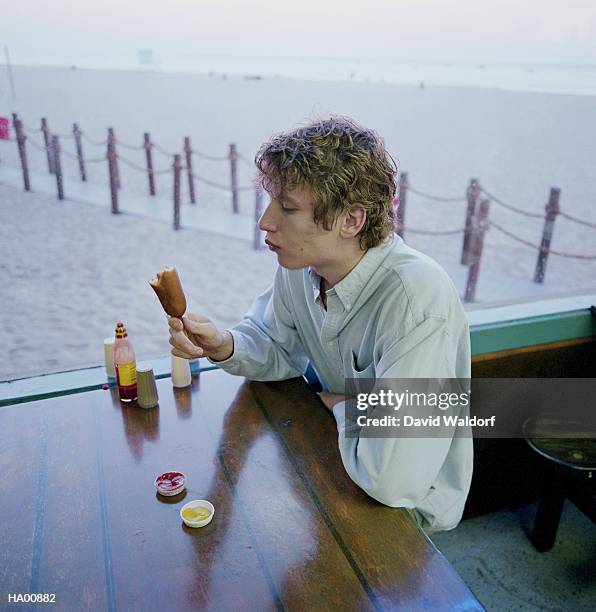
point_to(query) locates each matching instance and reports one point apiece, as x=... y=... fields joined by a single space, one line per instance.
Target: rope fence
x=436 y=198
x=576 y=220
x=97 y=143
x=473 y=230
x=161 y=150
x=539 y=247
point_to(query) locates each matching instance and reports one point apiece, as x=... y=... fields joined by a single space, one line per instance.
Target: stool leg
x=547 y=520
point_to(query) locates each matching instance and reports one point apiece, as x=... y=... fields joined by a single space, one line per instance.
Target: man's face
x=292 y=233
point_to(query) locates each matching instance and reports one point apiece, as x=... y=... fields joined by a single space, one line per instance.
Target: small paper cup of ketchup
x=197 y=513
x=170 y=483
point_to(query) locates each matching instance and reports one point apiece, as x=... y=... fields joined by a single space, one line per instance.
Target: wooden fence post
x=479 y=227
x=191 y=180
x=112 y=140
x=258 y=241
x=233 y=157
x=57 y=167
x=552 y=210
x=149 y=157
x=177 y=168
x=111 y=155
x=79 y=145
x=472 y=194
x=401 y=209
x=21 y=138
x=47 y=139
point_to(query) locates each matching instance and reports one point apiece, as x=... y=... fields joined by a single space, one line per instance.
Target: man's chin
x=288 y=263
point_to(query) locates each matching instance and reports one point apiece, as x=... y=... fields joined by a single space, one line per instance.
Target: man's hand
x=208 y=340
x=330 y=399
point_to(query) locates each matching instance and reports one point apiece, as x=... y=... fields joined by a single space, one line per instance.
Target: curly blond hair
x=343 y=164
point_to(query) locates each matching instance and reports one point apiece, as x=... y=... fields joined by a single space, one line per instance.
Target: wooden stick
x=112 y=139
x=111 y=155
x=552 y=210
x=258 y=240
x=401 y=209
x=47 y=139
x=79 y=145
x=149 y=156
x=191 y=181
x=21 y=138
x=233 y=157
x=57 y=167
x=479 y=227
x=472 y=194
x=177 y=168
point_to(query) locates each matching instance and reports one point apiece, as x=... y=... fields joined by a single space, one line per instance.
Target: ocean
x=571 y=79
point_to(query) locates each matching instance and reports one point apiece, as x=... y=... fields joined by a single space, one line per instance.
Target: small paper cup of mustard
x=197 y=513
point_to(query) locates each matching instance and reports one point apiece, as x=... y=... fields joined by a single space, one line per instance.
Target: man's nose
x=266 y=222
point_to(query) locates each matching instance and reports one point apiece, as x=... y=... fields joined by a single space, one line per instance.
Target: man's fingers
x=179 y=341
x=175 y=324
x=191 y=316
x=182 y=354
x=196 y=327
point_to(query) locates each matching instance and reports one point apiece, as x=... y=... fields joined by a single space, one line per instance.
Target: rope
x=217 y=185
x=130 y=147
x=210 y=183
x=210 y=157
x=412 y=230
x=540 y=248
x=576 y=220
x=436 y=198
x=62 y=135
x=161 y=150
x=519 y=211
x=37 y=146
x=141 y=169
x=69 y=154
x=93 y=160
x=97 y=143
x=30 y=131
x=246 y=161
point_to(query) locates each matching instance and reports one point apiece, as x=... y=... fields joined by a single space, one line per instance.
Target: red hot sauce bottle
x=126 y=366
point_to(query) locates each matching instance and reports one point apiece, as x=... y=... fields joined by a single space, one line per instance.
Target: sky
x=551 y=31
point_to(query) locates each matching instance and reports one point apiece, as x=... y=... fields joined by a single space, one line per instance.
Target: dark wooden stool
x=571 y=463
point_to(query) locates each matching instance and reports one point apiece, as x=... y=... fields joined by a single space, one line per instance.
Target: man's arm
x=266 y=344
x=400 y=472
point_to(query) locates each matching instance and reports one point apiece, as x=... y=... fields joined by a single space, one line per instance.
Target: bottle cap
x=121 y=330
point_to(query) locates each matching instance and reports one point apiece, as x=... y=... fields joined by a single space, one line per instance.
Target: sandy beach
x=76 y=274
x=71 y=270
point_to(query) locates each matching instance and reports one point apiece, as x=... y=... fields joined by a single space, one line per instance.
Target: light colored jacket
x=396 y=315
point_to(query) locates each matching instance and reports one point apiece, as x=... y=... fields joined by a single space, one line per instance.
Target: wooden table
x=80 y=517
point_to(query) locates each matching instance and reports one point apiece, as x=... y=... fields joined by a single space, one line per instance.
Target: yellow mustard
x=196 y=514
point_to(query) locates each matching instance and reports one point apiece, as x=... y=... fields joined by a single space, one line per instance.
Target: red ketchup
x=170 y=483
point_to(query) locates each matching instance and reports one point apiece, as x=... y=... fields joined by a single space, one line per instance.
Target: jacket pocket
x=362 y=372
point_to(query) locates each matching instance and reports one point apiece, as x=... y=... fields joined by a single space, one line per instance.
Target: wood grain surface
x=81 y=518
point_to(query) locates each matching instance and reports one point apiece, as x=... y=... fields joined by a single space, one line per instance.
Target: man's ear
x=353 y=221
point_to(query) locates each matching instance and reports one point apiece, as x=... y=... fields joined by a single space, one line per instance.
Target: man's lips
x=272 y=246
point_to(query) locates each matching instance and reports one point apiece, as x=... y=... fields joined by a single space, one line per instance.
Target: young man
x=350 y=298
